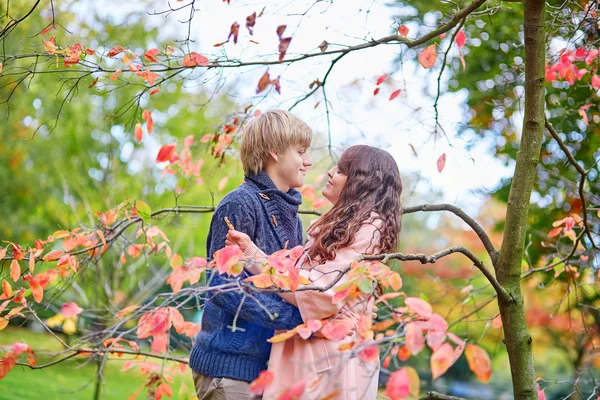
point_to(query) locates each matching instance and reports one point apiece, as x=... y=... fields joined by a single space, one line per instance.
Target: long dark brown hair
x=373 y=184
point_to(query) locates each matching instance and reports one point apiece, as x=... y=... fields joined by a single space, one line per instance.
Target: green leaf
x=143 y=209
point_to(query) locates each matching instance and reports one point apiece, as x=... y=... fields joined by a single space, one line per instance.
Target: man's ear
x=274 y=155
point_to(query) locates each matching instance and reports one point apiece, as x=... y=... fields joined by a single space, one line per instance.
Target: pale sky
x=356 y=115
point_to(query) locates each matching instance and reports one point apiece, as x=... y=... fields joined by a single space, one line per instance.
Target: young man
x=227 y=356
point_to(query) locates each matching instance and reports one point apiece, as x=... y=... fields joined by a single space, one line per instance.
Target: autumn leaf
x=227 y=258
x=148 y=76
x=419 y=306
x=70 y=309
x=428 y=56
x=323 y=46
x=154 y=91
x=280 y=30
x=461 y=38
x=194 y=59
x=250 y=21
x=147 y=116
x=234 y=31
x=583 y=113
x=126 y=310
x=370 y=354
x=36 y=288
x=394 y=94
x=337 y=330
x=114 y=51
x=414 y=340
x=381 y=79
x=48 y=29
x=53 y=255
x=0 y=68
x=49 y=45
x=165 y=153
x=15 y=270
x=263 y=82
x=283 y=46
x=402 y=384
x=115 y=74
x=264 y=380
x=150 y=55
x=441 y=360
x=479 y=362
x=403 y=30
x=138 y=132
x=441 y=163
x=295 y=392
x=595 y=80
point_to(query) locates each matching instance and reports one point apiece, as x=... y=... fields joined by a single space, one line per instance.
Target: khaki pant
x=208 y=388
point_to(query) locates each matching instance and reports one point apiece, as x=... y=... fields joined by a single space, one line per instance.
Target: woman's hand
x=238 y=238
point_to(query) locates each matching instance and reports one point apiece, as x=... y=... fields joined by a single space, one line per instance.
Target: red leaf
x=234 y=31
x=70 y=309
x=264 y=380
x=479 y=362
x=193 y=59
x=403 y=30
x=323 y=46
x=53 y=255
x=138 y=132
x=48 y=29
x=147 y=116
x=337 y=330
x=402 y=384
x=153 y=92
x=263 y=82
x=428 y=56
x=381 y=79
x=115 y=74
x=36 y=288
x=376 y=92
x=151 y=55
x=283 y=46
x=250 y=21
x=165 y=152
x=394 y=94
x=461 y=38
x=414 y=338
x=370 y=354
x=280 y=30
x=441 y=163
x=596 y=82
x=114 y=51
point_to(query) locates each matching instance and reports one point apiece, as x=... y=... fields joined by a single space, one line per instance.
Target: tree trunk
x=508 y=270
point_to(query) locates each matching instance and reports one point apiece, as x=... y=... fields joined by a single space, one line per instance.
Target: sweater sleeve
x=315 y=304
x=286 y=315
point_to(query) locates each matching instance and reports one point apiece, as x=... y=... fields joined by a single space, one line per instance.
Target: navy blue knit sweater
x=270 y=217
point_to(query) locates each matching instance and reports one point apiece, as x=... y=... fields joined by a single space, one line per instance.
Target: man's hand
x=238 y=238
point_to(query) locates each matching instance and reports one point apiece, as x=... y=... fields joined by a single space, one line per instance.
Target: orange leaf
x=3 y=323
x=151 y=55
x=234 y=31
x=479 y=362
x=6 y=290
x=126 y=311
x=36 y=288
x=261 y=281
x=165 y=153
x=282 y=337
x=414 y=338
x=48 y=29
x=264 y=380
x=402 y=384
x=49 y=46
x=153 y=92
x=147 y=116
x=441 y=360
x=115 y=74
x=337 y=330
x=138 y=132
x=227 y=258
x=194 y=59
x=441 y=163
x=263 y=82
x=114 y=51
x=394 y=94
x=15 y=270
x=428 y=56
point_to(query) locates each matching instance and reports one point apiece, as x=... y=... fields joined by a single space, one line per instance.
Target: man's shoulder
x=243 y=196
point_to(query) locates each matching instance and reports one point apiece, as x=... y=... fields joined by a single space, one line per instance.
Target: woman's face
x=335 y=184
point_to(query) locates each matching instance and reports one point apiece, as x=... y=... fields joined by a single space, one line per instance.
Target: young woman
x=365 y=190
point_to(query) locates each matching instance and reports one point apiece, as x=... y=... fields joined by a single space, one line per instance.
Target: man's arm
x=242 y=219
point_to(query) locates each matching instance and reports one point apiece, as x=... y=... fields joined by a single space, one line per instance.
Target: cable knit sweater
x=270 y=217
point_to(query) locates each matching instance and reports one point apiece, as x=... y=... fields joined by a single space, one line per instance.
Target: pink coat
x=296 y=359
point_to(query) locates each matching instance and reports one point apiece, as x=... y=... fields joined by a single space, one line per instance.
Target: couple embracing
x=364 y=189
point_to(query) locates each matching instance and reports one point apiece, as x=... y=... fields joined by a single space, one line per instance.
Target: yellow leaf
x=69 y=327
x=3 y=323
x=55 y=321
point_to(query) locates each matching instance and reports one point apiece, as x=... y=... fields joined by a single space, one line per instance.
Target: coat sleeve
x=315 y=304
x=243 y=219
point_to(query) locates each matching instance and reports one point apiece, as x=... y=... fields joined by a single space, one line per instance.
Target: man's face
x=292 y=165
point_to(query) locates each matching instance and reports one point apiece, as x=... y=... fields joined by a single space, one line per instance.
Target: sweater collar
x=266 y=185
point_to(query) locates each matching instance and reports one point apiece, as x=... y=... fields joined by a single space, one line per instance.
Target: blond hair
x=273 y=131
